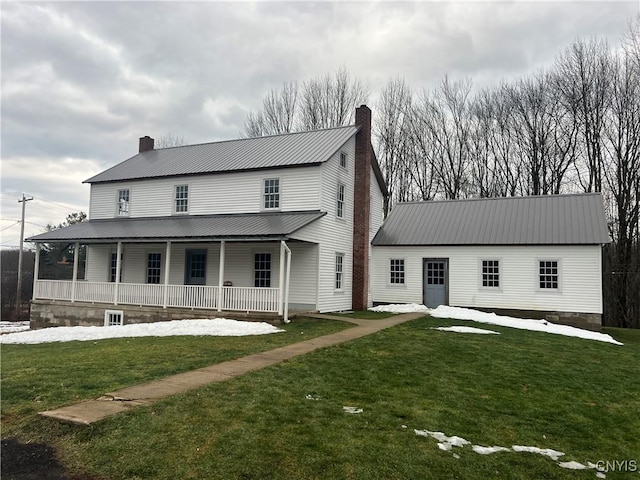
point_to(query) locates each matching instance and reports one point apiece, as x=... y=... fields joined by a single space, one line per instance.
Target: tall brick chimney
x=361 y=208
x=146 y=144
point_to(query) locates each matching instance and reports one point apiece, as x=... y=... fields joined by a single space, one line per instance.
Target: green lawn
x=519 y=388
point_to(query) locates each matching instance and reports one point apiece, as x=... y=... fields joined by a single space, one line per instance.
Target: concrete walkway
x=86 y=413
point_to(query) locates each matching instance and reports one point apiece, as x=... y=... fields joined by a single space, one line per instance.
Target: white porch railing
x=243 y=299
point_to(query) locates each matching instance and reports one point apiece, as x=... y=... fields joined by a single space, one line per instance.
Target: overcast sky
x=82 y=81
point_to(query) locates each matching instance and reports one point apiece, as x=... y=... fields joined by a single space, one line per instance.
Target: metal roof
x=247 y=226
x=293 y=149
x=536 y=220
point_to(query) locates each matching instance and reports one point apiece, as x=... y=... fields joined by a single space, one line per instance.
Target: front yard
x=288 y=421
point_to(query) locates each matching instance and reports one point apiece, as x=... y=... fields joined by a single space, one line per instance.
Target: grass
x=518 y=388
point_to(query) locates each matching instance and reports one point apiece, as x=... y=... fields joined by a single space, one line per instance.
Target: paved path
x=86 y=413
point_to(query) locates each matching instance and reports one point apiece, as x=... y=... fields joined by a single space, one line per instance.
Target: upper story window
x=548 y=274
x=491 y=273
x=340 y=201
x=271 y=193
x=181 y=200
x=123 y=202
x=396 y=271
x=343 y=159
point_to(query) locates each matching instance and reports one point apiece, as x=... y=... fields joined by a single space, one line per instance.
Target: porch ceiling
x=247 y=226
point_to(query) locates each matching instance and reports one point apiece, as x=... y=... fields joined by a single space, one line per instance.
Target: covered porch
x=234 y=271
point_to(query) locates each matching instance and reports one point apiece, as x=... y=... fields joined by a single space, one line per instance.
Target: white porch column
x=36 y=271
x=167 y=268
x=281 y=278
x=285 y=316
x=221 y=274
x=118 y=268
x=76 y=257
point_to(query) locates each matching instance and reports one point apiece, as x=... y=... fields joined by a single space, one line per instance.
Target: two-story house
x=267 y=224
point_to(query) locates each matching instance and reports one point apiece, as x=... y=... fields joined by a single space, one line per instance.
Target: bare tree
x=170 y=140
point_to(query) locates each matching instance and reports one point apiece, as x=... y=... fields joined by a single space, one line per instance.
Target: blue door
x=436 y=282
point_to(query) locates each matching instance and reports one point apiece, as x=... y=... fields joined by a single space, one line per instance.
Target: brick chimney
x=361 y=208
x=146 y=144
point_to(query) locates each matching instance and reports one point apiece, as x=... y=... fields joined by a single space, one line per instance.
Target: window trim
x=338 y=276
x=343 y=159
x=481 y=284
x=263 y=195
x=160 y=269
x=120 y=213
x=340 y=209
x=390 y=272
x=175 y=198
x=558 y=275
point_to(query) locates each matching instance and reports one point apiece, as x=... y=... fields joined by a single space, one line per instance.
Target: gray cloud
x=81 y=81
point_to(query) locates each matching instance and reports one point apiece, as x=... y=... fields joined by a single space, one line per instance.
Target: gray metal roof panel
x=535 y=220
x=232 y=226
x=294 y=149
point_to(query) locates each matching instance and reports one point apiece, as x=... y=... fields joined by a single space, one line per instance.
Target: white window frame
x=113 y=318
x=339 y=272
x=176 y=199
x=558 y=275
x=481 y=274
x=340 y=201
x=159 y=268
x=390 y=277
x=123 y=212
x=344 y=159
x=264 y=194
x=255 y=270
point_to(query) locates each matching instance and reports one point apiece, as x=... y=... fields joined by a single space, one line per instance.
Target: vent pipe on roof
x=146 y=144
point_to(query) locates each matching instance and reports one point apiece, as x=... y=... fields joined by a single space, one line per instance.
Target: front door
x=195 y=268
x=435 y=282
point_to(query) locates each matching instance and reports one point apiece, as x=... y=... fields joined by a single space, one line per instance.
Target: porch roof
x=245 y=226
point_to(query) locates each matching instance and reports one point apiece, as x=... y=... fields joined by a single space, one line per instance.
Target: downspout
x=285 y=317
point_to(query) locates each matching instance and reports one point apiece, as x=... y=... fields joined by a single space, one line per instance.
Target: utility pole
x=23 y=201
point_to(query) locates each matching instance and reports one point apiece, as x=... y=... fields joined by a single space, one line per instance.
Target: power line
x=10 y=226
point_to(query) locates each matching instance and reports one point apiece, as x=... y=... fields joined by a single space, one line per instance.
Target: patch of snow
x=460 y=329
x=572 y=465
x=401 y=308
x=13 y=327
x=445 y=443
x=489 y=450
x=220 y=327
x=548 y=452
x=352 y=410
x=312 y=397
x=601 y=475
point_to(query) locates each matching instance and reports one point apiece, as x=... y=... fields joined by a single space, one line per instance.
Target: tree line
x=571 y=127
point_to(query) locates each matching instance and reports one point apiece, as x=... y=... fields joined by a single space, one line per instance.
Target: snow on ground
x=458 y=313
x=547 y=452
x=220 y=327
x=12 y=327
x=489 y=450
x=460 y=329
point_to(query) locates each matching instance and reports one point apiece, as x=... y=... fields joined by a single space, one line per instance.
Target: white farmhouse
x=265 y=224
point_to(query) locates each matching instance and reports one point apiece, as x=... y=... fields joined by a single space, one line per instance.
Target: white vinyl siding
x=236 y=192
x=376 y=215
x=579 y=265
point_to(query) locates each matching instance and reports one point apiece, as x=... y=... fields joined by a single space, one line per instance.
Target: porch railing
x=244 y=299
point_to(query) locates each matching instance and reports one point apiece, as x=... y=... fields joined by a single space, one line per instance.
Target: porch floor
x=111 y=403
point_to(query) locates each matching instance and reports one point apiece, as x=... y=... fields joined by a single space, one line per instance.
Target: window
x=339 y=271
x=113 y=318
x=271 y=193
x=114 y=267
x=153 y=268
x=396 y=271
x=262 y=270
x=340 y=201
x=548 y=276
x=343 y=160
x=123 y=202
x=491 y=273
x=182 y=199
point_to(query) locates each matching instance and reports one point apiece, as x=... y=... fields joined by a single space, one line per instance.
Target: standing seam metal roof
x=536 y=220
x=288 y=150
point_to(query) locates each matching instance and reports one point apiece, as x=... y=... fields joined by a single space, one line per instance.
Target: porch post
x=281 y=278
x=76 y=255
x=118 y=267
x=36 y=271
x=285 y=317
x=167 y=267
x=221 y=274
